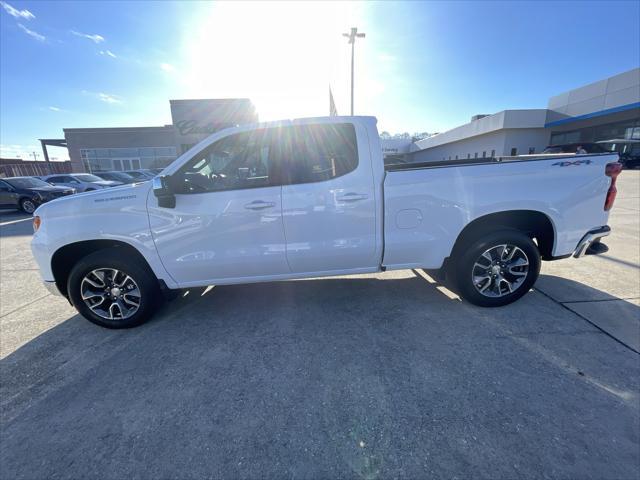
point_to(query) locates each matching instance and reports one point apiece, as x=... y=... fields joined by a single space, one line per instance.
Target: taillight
x=612 y=170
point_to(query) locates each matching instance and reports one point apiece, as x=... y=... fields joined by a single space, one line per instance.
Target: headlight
x=37 y=221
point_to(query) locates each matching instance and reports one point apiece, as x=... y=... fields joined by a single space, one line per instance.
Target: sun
x=282 y=56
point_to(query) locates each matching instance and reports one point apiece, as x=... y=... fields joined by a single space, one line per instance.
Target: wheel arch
x=64 y=259
x=25 y=196
x=537 y=225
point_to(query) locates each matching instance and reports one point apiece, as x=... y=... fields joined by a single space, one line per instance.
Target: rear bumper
x=590 y=237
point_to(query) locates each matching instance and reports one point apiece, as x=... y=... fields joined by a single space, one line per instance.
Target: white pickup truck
x=310 y=198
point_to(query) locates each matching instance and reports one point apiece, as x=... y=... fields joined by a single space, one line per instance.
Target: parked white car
x=310 y=198
x=81 y=182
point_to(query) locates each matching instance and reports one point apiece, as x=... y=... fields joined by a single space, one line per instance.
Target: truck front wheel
x=112 y=291
x=497 y=269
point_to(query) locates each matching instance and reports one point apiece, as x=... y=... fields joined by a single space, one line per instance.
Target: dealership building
x=126 y=148
x=605 y=110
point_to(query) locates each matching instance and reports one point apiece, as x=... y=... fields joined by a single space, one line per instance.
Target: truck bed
x=483 y=161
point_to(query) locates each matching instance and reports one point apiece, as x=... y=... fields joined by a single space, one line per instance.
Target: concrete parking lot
x=371 y=376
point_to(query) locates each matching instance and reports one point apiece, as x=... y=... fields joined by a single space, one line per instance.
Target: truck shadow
x=323 y=369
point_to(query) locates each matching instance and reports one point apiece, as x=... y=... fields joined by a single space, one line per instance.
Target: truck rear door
x=328 y=203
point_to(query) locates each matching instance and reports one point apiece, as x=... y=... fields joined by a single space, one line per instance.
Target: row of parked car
x=28 y=193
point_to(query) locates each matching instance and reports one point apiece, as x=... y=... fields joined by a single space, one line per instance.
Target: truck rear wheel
x=111 y=291
x=497 y=269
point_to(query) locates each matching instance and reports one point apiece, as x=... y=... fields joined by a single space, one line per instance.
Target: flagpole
x=352 y=40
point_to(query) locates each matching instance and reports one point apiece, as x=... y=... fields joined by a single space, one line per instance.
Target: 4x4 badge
x=568 y=163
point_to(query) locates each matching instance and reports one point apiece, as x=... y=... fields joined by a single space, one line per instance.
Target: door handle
x=353 y=197
x=259 y=205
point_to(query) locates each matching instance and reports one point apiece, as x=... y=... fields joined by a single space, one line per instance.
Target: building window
x=493 y=154
x=514 y=151
x=475 y=155
x=456 y=157
x=468 y=155
x=107 y=159
x=484 y=154
x=532 y=150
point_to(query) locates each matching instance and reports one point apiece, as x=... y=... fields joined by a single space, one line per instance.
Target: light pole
x=352 y=40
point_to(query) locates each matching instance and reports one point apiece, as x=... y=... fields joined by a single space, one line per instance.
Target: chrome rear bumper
x=591 y=236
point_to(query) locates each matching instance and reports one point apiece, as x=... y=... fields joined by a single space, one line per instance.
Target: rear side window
x=321 y=152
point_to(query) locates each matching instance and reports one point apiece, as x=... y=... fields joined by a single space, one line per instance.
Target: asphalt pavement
x=370 y=376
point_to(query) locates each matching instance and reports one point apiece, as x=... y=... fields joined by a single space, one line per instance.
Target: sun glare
x=281 y=55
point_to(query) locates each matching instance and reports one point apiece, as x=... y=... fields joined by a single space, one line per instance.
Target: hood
x=50 y=189
x=105 y=199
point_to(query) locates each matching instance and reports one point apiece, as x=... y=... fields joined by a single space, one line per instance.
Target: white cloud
x=104 y=97
x=108 y=98
x=94 y=38
x=108 y=53
x=167 y=67
x=14 y=12
x=55 y=109
x=32 y=34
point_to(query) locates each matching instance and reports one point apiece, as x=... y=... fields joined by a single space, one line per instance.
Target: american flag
x=333 y=112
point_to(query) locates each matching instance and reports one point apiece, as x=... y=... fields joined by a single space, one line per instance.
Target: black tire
x=90 y=190
x=115 y=259
x=28 y=206
x=464 y=268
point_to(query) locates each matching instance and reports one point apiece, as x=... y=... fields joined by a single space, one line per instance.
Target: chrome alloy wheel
x=110 y=293
x=28 y=206
x=500 y=270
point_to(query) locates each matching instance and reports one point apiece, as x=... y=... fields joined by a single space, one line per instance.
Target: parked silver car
x=82 y=182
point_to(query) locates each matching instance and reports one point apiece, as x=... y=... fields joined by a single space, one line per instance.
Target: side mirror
x=163 y=192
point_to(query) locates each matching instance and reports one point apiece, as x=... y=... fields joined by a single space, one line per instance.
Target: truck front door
x=227 y=222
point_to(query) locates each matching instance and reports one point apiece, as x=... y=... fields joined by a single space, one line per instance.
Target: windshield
x=26 y=182
x=86 y=177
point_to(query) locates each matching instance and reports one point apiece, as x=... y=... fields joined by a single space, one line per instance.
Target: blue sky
x=422 y=66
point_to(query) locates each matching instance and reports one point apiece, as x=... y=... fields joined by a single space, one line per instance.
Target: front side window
x=239 y=161
x=59 y=180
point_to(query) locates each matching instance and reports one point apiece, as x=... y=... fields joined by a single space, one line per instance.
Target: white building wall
x=466 y=148
x=614 y=92
x=500 y=143
x=524 y=139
